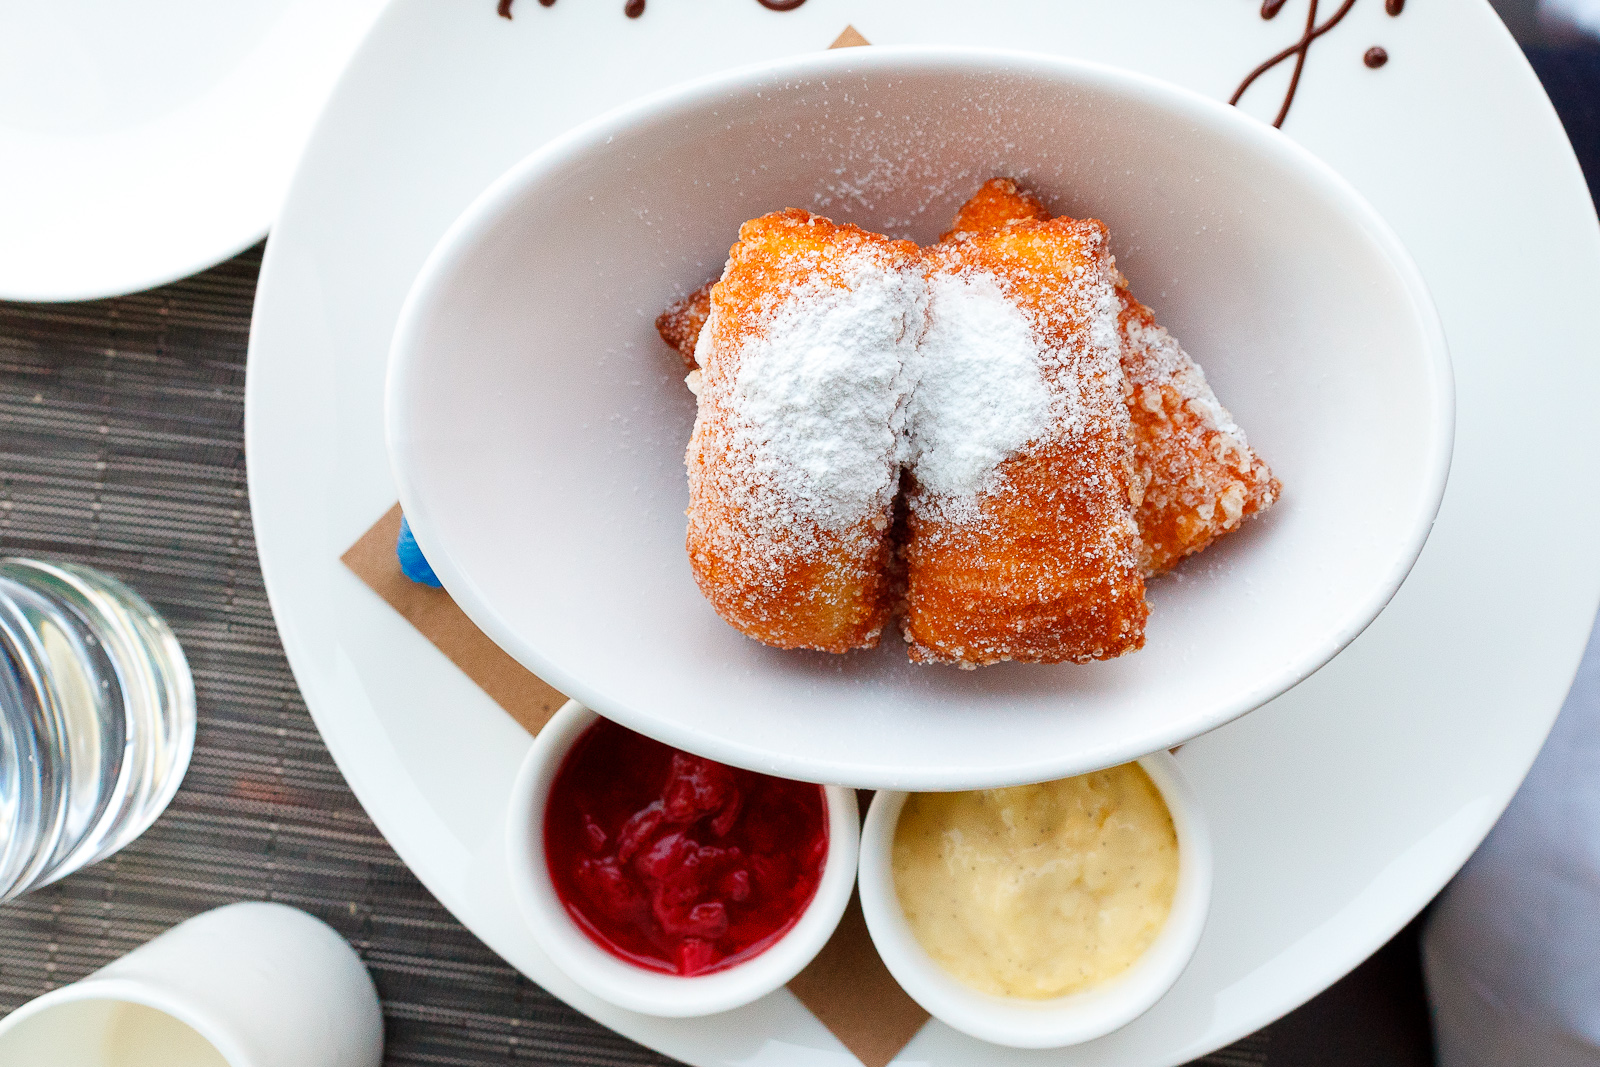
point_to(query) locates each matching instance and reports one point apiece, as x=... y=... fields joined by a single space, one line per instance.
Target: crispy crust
x=1047 y=570
x=998 y=202
x=1201 y=478
x=770 y=572
x=680 y=324
x=1194 y=469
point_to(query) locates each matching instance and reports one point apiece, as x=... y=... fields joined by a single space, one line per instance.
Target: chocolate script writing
x=1374 y=57
x=634 y=8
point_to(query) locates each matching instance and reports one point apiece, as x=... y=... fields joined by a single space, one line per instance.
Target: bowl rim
x=460 y=241
x=620 y=982
x=213 y=1029
x=1066 y=1020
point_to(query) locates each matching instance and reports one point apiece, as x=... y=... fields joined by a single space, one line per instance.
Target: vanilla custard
x=1038 y=891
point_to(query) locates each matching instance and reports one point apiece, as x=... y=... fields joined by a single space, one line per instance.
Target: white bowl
x=632 y=987
x=537 y=424
x=1064 y=1020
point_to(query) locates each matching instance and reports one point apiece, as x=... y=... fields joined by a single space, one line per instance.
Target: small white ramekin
x=1064 y=1020
x=622 y=983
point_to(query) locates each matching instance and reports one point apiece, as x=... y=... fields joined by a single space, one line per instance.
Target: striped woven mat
x=121 y=445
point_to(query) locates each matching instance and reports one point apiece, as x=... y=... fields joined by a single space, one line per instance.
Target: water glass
x=97 y=719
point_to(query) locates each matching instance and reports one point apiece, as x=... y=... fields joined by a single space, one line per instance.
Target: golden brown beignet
x=998 y=202
x=1201 y=477
x=793 y=462
x=1198 y=475
x=680 y=324
x=1041 y=563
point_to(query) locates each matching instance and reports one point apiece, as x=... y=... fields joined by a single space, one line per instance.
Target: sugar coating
x=980 y=391
x=1195 y=476
x=1198 y=475
x=1017 y=357
x=986 y=407
x=819 y=403
x=1155 y=358
x=1039 y=563
x=681 y=324
x=804 y=368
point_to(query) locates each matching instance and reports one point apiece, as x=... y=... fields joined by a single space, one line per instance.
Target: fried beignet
x=794 y=459
x=998 y=202
x=1020 y=540
x=1201 y=477
x=680 y=324
x=1198 y=474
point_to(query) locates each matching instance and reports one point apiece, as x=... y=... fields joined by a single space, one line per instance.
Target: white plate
x=1337 y=810
x=512 y=376
x=144 y=141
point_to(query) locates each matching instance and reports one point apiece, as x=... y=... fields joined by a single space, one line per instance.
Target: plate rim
x=410 y=824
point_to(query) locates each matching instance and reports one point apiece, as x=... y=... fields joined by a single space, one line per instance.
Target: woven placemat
x=121 y=445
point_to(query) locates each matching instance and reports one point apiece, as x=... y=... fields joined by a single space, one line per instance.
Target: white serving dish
x=1067 y=1020
x=1337 y=810
x=620 y=982
x=144 y=142
x=526 y=382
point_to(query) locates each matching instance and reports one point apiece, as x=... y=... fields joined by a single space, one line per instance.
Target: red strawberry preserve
x=676 y=863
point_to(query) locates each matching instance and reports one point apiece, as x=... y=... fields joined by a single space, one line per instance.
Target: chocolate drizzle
x=1298 y=50
x=1375 y=57
x=634 y=8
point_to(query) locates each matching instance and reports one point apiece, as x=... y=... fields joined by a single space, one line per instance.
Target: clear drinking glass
x=97 y=719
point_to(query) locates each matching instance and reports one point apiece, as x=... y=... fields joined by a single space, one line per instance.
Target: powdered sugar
x=818 y=406
x=854 y=374
x=980 y=392
x=1156 y=359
